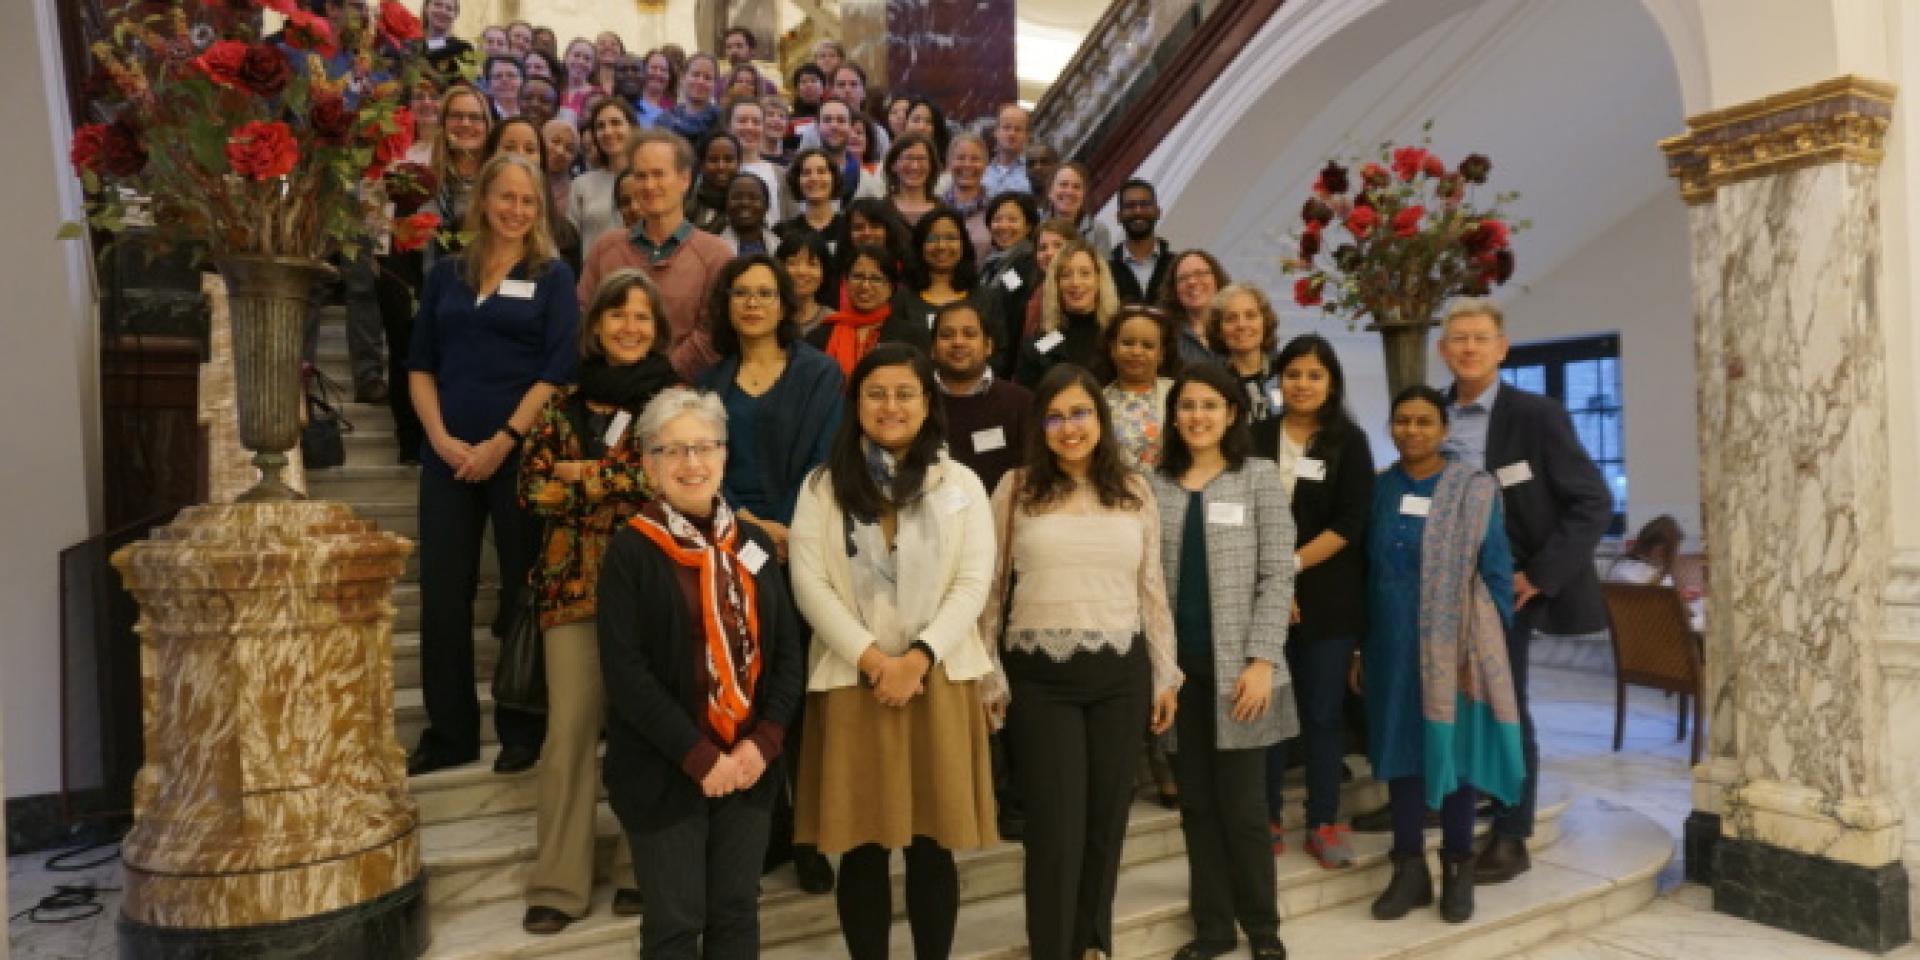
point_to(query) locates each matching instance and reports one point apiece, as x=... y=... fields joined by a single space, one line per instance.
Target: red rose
x=388 y=148
x=409 y=186
x=262 y=151
x=1503 y=266
x=1485 y=237
x=1316 y=210
x=222 y=62
x=265 y=70
x=1475 y=168
x=1333 y=177
x=413 y=231
x=1432 y=166
x=304 y=31
x=397 y=24
x=333 y=121
x=111 y=149
x=1310 y=241
x=1374 y=175
x=1307 y=290
x=1361 y=222
x=1407 y=162
x=1406 y=222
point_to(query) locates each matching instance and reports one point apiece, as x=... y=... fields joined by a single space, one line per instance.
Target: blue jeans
x=1319 y=668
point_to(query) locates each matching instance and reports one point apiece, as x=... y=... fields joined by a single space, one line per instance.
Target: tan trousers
x=568 y=779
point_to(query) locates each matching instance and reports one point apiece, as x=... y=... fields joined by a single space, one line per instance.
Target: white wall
x=48 y=478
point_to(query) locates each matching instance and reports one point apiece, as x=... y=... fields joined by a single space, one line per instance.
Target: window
x=1584 y=375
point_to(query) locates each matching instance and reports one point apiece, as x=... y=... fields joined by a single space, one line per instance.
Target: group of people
x=916 y=517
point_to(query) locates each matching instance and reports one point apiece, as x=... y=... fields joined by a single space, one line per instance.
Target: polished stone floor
x=1574 y=710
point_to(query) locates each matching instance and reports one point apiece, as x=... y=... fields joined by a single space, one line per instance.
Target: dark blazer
x=1128 y=285
x=655 y=673
x=1079 y=344
x=1555 y=518
x=1333 y=593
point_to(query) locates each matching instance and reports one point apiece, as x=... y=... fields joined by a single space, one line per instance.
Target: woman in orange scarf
x=866 y=315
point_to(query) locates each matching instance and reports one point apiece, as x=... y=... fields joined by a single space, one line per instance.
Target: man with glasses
x=1557 y=507
x=681 y=261
x=1140 y=261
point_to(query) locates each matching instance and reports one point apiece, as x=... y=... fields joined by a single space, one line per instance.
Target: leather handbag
x=322 y=439
x=520 y=678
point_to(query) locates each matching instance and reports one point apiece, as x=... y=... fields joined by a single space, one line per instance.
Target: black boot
x=1411 y=886
x=1456 y=886
x=1503 y=859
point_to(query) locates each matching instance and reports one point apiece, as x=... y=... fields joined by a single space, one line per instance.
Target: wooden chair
x=1654 y=646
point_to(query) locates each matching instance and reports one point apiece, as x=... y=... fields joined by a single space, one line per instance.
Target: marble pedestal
x=272 y=817
x=1785 y=216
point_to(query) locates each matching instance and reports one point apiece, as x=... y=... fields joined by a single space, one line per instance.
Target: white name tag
x=1308 y=468
x=1010 y=280
x=930 y=319
x=618 y=428
x=753 y=557
x=517 y=289
x=1514 y=473
x=1047 y=343
x=435 y=43
x=989 y=440
x=1227 y=514
x=833 y=246
x=1273 y=399
x=950 y=499
x=1413 y=506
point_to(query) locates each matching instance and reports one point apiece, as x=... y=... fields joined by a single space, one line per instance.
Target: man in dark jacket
x=1557 y=507
x=1141 y=261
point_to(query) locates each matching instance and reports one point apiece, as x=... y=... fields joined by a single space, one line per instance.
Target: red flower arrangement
x=242 y=145
x=1434 y=245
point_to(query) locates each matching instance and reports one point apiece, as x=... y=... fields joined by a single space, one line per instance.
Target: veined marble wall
x=1900 y=655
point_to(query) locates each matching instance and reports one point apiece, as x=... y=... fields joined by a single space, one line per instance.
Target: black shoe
x=426 y=759
x=373 y=391
x=544 y=921
x=627 y=902
x=1503 y=859
x=410 y=458
x=1411 y=886
x=1269 y=950
x=516 y=758
x=1456 y=886
x=1203 y=950
x=813 y=869
x=1011 y=827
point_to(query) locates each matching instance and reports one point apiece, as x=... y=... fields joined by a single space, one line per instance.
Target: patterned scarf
x=729 y=607
x=1466 y=682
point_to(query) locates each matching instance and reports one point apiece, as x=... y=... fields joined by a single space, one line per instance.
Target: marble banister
x=1795 y=805
x=1102 y=71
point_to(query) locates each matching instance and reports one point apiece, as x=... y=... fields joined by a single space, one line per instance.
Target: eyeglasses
x=1200 y=406
x=945 y=239
x=903 y=396
x=682 y=451
x=755 y=296
x=466 y=116
x=869 y=279
x=1077 y=416
x=1473 y=339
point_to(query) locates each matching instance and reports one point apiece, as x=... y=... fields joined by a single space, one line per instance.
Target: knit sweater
x=972 y=420
x=684 y=277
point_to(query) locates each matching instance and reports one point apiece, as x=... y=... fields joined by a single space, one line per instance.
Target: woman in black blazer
x=1327 y=467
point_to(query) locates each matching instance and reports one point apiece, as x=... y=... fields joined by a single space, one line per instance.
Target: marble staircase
x=1591 y=863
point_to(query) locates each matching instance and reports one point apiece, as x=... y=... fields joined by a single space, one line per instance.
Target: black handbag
x=520 y=678
x=322 y=440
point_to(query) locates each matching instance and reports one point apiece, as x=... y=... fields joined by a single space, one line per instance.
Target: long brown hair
x=1042 y=480
x=537 y=249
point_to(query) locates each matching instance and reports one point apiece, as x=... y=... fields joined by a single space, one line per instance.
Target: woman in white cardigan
x=892 y=553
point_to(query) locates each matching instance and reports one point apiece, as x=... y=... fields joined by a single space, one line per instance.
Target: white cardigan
x=946 y=595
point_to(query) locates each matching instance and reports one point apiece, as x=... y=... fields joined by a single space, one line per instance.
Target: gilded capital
x=1843 y=119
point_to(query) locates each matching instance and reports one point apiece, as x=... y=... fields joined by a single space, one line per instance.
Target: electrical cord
x=70 y=903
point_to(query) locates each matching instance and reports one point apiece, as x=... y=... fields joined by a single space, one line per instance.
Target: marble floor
x=1574 y=711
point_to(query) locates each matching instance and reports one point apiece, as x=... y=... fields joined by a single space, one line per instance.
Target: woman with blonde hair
x=494 y=339
x=1076 y=305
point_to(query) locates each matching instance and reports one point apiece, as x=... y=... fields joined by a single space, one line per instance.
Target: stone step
x=410 y=715
x=371 y=447
x=406 y=655
x=406 y=606
x=384 y=484
x=1151 y=906
x=472 y=791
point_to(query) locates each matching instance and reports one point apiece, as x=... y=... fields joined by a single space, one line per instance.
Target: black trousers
x=1516 y=820
x=396 y=294
x=701 y=885
x=454 y=516
x=1230 y=874
x=1075 y=727
x=865 y=899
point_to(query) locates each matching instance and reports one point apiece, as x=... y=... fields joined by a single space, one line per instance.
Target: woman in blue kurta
x=1442 y=724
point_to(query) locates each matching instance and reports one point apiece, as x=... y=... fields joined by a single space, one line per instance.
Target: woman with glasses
x=868 y=315
x=1079 y=621
x=1196 y=279
x=892 y=553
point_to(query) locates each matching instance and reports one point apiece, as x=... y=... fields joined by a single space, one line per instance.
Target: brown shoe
x=1503 y=859
x=544 y=920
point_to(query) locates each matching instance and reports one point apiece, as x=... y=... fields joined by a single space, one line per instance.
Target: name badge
x=833 y=246
x=1513 y=473
x=1227 y=514
x=435 y=43
x=1308 y=468
x=618 y=428
x=1047 y=343
x=1273 y=399
x=951 y=499
x=1413 y=506
x=517 y=289
x=752 y=557
x=989 y=440
x=1010 y=280
x=930 y=319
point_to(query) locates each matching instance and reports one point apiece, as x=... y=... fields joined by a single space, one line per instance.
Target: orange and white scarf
x=729 y=607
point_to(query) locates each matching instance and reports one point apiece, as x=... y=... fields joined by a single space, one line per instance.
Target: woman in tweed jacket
x=1226 y=535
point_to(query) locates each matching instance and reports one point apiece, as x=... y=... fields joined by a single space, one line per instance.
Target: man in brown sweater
x=681 y=260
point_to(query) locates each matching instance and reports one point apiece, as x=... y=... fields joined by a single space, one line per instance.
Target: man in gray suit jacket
x=1557 y=507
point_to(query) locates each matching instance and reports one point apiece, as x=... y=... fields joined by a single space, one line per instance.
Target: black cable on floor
x=70 y=903
x=55 y=864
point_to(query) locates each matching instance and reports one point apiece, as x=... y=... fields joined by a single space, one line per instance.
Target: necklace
x=757 y=376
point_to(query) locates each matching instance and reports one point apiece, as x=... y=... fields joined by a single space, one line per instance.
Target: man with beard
x=630 y=84
x=833 y=130
x=1140 y=261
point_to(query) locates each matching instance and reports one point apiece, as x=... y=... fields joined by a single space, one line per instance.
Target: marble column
x=959 y=55
x=1900 y=655
x=272 y=816
x=863 y=28
x=1796 y=823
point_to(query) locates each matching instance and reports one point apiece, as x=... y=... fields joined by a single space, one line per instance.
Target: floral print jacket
x=580 y=515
